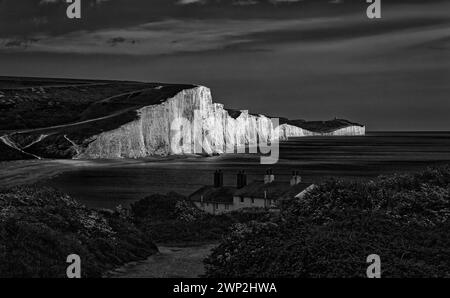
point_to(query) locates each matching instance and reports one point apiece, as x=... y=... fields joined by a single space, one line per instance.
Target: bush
x=156 y=207
x=331 y=231
x=40 y=227
x=173 y=218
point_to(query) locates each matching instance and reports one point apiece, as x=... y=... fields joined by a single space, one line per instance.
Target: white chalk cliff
x=159 y=130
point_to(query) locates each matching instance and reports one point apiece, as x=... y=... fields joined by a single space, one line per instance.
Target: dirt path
x=170 y=262
x=8 y=142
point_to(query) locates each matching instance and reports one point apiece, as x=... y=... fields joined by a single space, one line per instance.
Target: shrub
x=173 y=218
x=331 y=231
x=40 y=227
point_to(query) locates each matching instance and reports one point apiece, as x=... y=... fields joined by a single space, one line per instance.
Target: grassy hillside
x=8 y=153
x=26 y=82
x=36 y=107
x=33 y=104
x=329 y=233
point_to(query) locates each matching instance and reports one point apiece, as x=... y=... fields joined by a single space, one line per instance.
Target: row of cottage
x=267 y=193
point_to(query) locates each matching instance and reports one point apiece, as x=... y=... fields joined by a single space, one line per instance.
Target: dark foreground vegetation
x=40 y=227
x=329 y=233
x=174 y=219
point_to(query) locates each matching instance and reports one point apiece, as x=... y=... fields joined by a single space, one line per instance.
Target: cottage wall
x=247 y=202
x=215 y=208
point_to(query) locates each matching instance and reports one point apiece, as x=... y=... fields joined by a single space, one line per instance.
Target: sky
x=301 y=59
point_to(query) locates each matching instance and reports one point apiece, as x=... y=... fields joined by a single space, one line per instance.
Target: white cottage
x=218 y=199
x=267 y=193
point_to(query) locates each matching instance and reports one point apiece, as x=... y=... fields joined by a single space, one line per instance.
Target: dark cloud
x=28 y=17
x=20 y=43
x=169 y=36
x=307 y=59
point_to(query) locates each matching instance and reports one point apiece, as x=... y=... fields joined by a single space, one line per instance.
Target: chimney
x=295 y=179
x=266 y=177
x=241 y=179
x=218 y=178
x=269 y=177
x=298 y=178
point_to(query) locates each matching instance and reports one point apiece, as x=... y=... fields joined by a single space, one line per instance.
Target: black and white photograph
x=246 y=141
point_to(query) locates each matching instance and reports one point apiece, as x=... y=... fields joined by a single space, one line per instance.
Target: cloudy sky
x=310 y=59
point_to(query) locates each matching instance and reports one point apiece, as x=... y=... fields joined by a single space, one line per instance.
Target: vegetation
x=22 y=82
x=36 y=107
x=330 y=232
x=43 y=106
x=172 y=218
x=8 y=153
x=40 y=227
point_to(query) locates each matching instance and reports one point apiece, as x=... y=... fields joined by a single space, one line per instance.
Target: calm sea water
x=317 y=158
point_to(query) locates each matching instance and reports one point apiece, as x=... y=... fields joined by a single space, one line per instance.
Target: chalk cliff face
x=346 y=131
x=287 y=131
x=189 y=123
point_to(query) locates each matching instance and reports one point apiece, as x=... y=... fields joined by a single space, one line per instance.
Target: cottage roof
x=273 y=190
x=213 y=194
x=295 y=190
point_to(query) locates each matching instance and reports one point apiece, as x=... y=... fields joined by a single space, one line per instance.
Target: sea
x=317 y=159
